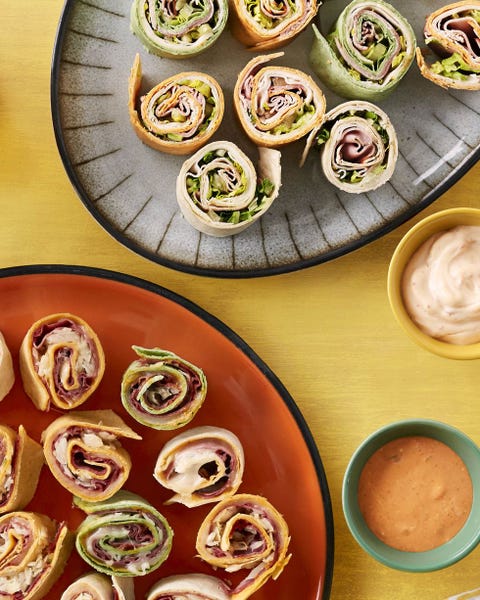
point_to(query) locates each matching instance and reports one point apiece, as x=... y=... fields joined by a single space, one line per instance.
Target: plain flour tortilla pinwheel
x=179 y=29
x=202 y=465
x=245 y=532
x=7 y=374
x=83 y=452
x=33 y=554
x=359 y=146
x=191 y=586
x=96 y=586
x=162 y=390
x=21 y=460
x=367 y=53
x=178 y=115
x=124 y=536
x=220 y=192
x=267 y=24
x=453 y=34
x=61 y=361
x=276 y=105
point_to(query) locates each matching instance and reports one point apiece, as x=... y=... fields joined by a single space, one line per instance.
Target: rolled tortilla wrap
x=219 y=191
x=33 y=555
x=180 y=114
x=162 y=390
x=452 y=33
x=276 y=105
x=61 y=361
x=201 y=465
x=178 y=30
x=96 y=586
x=267 y=24
x=245 y=532
x=367 y=53
x=7 y=373
x=124 y=536
x=359 y=146
x=21 y=460
x=83 y=452
x=192 y=586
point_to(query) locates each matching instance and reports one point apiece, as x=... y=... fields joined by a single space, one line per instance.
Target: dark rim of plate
x=49 y=269
x=432 y=195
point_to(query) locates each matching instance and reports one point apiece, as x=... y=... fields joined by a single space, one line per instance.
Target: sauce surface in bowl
x=415 y=493
x=441 y=285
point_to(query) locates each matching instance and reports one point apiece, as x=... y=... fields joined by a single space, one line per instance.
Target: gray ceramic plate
x=130 y=188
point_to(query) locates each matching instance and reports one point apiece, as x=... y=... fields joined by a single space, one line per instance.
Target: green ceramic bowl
x=442 y=556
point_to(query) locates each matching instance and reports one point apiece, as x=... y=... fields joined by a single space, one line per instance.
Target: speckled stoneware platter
x=129 y=188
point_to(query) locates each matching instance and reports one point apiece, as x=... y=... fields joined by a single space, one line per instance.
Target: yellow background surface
x=327 y=331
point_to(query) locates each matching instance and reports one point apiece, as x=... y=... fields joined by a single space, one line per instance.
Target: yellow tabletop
x=327 y=331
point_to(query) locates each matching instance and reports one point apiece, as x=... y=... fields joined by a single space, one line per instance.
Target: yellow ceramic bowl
x=411 y=241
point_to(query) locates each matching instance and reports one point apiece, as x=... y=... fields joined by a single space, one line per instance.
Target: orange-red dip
x=415 y=493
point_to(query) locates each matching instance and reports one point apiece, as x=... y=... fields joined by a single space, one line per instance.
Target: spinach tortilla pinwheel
x=61 y=361
x=178 y=29
x=178 y=115
x=21 y=460
x=245 y=532
x=33 y=554
x=267 y=24
x=191 y=586
x=124 y=536
x=97 y=586
x=162 y=390
x=220 y=192
x=276 y=105
x=453 y=34
x=359 y=146
x=368 y=52
x=83 y=452
x=202 y=465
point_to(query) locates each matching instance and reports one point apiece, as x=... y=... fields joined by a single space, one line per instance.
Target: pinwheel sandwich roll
x=7 y=373
x=452 y=33
x=33 y=554
x=179 y=29
x=61 y=361
x=178 y=115
x=84 y=454
x=191 y=586
x=124 y=536
x=202 y=465
x=359 y=147
x=96 y=586
x=266 y=24
x=367 y=53
x=21 y=460
x=161 y=390
x=276 y=105
x=220 y=192
x=245 y=531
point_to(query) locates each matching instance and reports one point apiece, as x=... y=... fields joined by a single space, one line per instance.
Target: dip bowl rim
x=462 y=544
x=409 y=243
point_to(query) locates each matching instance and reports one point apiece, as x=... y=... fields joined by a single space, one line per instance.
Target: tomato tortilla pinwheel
x=202 y=465
x=84 y=454
x=453 y=34
x=33 y=554
x=124 y=536
x=61 y=361
x=96 y=586
x=191 y=586
x=21 y=460
x=178 y=115
x=178 y=29
x=276 y=105
x=367 y=53
x=267 y=24
x=245 y=532
x=162 y=390
x=220 y=192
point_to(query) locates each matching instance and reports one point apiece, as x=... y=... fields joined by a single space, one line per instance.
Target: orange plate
x=282 y=461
